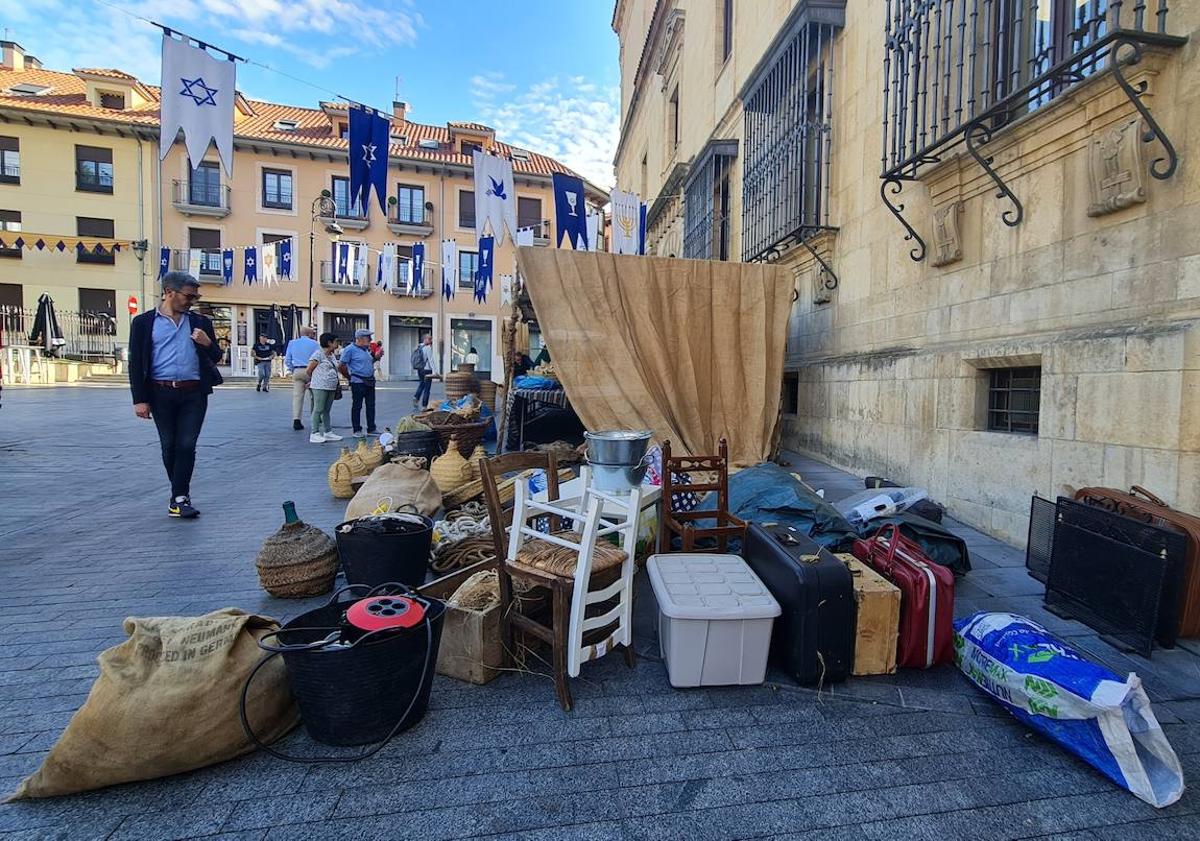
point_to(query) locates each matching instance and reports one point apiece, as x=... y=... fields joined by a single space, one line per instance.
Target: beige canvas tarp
x=691 y=349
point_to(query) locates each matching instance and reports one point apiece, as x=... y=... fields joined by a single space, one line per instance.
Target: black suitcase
x=813 y=638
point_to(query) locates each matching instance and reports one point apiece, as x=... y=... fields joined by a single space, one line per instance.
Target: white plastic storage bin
x=714 y=621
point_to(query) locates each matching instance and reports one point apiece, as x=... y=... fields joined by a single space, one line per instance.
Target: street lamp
x=322 y=207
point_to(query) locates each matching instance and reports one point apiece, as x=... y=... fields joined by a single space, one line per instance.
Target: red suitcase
x=926 y=597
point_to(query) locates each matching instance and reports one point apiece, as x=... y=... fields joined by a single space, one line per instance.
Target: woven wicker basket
x=297 y=562
x=446 y=424
x=371 y=455
x=451 y=470
x=354 y=461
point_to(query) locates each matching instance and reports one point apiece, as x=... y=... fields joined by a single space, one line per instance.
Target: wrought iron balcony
x=417 y=224
x=960 y=71
x=349 y=217
x=334 y=279
x=200 y=198
x=400 y=287
x=543 y=231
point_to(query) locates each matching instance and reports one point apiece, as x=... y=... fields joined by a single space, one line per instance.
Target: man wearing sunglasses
x=172 y=369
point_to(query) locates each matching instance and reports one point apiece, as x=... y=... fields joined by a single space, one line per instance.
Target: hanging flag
x=198 y=91
x=267 y=263
x=250 y=264
x=642 y=231
x=368 y=156
x=343 y=262
x=195 y=255
x=570 y=211
x=227 y=266
x=387 y=267
x=495 y=198
x=595 y=223
x=449 y=268
x=285 y=258
x=506 y=289
x=164 y=262
x=483 y=277
x=418 y=269
x=361 y=252
x=524 y=236
x=626 y=210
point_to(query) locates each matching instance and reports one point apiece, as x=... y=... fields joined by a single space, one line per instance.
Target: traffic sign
x=133 y=305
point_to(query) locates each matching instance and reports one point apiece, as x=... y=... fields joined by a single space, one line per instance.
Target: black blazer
x=141 y=347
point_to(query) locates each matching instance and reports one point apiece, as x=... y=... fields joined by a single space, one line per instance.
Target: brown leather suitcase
x=1140 y=504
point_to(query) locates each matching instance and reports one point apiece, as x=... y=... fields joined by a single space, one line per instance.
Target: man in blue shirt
x=172 y=369
x=299 y=352
x=358 y=365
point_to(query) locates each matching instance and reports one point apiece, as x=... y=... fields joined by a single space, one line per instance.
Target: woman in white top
x=323 y=382
x=472 y=357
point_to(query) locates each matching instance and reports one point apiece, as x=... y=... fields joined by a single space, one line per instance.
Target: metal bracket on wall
x=978 y=134
x=1135 y=93
x=897 y=184
x=831 y=278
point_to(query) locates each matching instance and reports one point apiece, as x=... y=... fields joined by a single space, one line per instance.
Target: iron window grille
x=706 y=203
x=1014 y=400
x=788 y=130
x=959 y=71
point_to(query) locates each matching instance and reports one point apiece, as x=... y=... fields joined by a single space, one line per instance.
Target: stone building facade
x=1048 y=337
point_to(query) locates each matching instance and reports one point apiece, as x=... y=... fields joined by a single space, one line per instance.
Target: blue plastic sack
x=532 y=382
x=1087 y=709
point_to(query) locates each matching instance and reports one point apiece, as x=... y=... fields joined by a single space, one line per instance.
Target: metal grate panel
x=1040 y=544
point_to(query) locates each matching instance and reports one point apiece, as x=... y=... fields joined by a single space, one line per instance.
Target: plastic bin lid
x=709 y=587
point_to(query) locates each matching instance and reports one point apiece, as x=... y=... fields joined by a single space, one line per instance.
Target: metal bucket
x=618 y=447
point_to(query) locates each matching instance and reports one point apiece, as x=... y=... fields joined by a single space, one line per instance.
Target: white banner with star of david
x=198 y=92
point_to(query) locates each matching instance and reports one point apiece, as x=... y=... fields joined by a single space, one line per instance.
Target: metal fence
x=87 y=335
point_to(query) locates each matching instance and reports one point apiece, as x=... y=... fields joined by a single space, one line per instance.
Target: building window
x=529 y=212
x=344 y=325
x=470 y=147
x=471 y=333
x=791 y=392
x=673 y=122
x=93 y=169
x=112 y=101
x=468 y=264
x=1014 y=399
x=10 y=160
x=410 y=205
x=10 y=220
x=100 y=307
x=788 y=131
x=343 y=130
x=86 y=226
x=341 y=200
x=209 y=243
x=277 y=189
x=726 y=29
x=706 y=203
x=466 y=209
x=204 y=187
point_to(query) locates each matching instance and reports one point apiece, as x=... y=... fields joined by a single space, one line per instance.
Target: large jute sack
x=166 y=701
x=393 y=487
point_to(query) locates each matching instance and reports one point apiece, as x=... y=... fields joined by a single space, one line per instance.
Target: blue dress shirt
x=359 y=363
x=173 y=354
x=299 y=352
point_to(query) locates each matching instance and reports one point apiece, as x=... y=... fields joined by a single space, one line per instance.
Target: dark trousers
x=424 y=388
x=362 y=393
x=178 y=416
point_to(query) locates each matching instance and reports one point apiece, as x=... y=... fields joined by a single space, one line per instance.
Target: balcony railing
x=959 y=71
x=333 y=279
x=88 y=335
x=197 y=198
x=210 y=264
x=350 y=217
x=543 y=231
x=419 y=223
x=10 y=173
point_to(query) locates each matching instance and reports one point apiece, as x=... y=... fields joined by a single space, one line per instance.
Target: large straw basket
x=297 y=562
x=468 y=434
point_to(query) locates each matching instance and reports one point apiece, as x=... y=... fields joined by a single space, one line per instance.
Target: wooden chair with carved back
x=685 y=523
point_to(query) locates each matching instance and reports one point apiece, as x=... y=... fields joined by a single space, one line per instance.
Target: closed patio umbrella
x=46 y=333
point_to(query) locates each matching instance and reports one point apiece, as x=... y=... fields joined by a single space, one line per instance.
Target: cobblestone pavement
x=84 y=542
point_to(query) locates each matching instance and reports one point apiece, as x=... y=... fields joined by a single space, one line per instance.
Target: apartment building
x=289 y=181
x=991 y=211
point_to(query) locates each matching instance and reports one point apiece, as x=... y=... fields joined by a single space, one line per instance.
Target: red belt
x=181 y=385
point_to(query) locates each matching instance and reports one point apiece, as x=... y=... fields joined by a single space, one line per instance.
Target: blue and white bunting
x=368 y=144
x=285 y=258
x=495 y=198
x=417 y=281
x=227 y=266
x=198 y=93
x=570 y=211
x=449 y=268
x=164 y=262
x=483 y=276
x=250 y=265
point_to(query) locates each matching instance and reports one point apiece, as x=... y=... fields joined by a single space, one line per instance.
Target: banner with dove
x=449 y=268
x=227 y=266
x=627 y=211
x=570 y=211
x=495 y=198
x=417 y=282
x=250 y=265
x=483 y=277
x=368 y=149
x=198 y=93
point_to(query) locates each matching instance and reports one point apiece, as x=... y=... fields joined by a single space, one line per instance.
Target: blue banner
x=418 y=267
x=570 y=211
x=251 y=264
x=227 y=266
x=343 y=262
x=285 y=258
x=164 y=262
x=642 y=231
x=368 y=156
x=483 y=277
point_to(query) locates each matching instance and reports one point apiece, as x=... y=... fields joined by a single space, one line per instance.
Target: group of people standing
x=317 y=366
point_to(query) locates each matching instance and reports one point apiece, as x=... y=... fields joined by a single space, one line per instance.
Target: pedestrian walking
x=359 y=367
x=426 y=369
x=323 y=383
x=173 y=354
x=299 y=352
x=263 y=351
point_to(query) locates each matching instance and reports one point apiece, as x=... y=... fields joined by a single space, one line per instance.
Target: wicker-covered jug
x=476 y=455
x=298 y=561
x=451 y=470
x=371 y=454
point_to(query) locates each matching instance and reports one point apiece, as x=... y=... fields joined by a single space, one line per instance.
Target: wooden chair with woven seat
x=685 y=523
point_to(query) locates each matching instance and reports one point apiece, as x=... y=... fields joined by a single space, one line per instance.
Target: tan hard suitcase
x=877 y=625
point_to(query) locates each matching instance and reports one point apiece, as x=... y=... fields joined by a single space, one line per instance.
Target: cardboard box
x=471 y=649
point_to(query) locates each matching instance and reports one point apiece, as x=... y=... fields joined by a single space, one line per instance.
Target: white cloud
x=575 y=122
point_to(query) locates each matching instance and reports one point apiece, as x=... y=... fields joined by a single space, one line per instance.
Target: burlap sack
x=392 y=487
x=166 y=701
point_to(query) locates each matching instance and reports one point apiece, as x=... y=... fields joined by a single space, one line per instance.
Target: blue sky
x=543 y=73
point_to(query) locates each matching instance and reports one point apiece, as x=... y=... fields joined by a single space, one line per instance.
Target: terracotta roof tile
x=105 y=71
x=473 y=127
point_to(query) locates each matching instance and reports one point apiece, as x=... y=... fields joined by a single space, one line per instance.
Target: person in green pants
x=323 y=382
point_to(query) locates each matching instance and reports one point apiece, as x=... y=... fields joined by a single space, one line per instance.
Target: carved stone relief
x=821 y=293
x=1115 y=169
x=947 y=239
